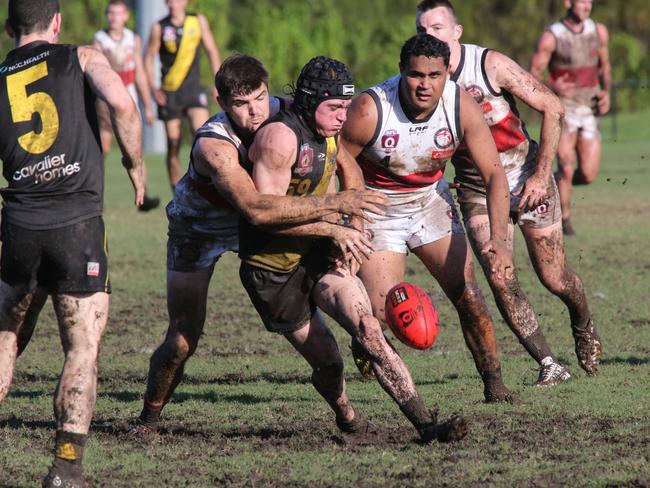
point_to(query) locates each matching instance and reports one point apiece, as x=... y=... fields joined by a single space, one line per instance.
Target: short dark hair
x=29 y=16
x=426 y=5
x=423 y=45
x=240 y=74
x=117 y=2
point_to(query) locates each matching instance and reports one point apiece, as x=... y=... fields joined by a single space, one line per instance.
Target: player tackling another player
x=494 y=80
x=204 y=217
x=575 y=51
x=53 y=237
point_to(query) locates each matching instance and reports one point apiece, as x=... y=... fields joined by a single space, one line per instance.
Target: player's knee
x=177 y=349
x=507 y=288
x=328 y=379
x=173 y=145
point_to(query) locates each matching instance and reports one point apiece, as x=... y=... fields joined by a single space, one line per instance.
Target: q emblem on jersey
x=305 y=160
x=389 y=141
x=443 y=138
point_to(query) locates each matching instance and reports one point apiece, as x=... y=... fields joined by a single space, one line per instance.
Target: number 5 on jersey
x=24 y=106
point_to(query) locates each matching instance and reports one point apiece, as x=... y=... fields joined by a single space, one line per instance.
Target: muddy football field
x=247 y=415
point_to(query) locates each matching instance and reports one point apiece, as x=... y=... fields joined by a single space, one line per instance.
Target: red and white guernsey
x=576 y=55
x=517 y=151
x=406 y=154
x=121 y=55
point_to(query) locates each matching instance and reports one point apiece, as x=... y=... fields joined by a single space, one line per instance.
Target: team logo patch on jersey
x=443 y=138
x=476 y=92
x=389 y=140
x=169 y=33
x=305 y=160
x=92 y=269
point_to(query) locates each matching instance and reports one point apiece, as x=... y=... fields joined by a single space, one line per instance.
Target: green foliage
x=368 y=34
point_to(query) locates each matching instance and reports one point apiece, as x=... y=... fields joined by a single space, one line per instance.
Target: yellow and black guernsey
x=49 y=140
x=179 y=53
x=311 y=174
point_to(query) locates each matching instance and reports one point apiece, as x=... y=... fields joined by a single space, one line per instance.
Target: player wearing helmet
x=288 y=273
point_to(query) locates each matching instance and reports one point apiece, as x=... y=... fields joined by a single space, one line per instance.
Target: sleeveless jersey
x=195 y=194
x=310 y=175
x=518 y=153
x=179 y=53
x=576 y=54
x=121 y=55
x=406 y=154
x=49 y=139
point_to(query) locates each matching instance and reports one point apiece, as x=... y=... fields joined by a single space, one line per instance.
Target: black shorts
x=71 y=259
x=180 y=101
x=283 y=300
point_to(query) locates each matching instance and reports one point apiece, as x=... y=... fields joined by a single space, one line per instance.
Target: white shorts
x=414 y=218
x=581 y=118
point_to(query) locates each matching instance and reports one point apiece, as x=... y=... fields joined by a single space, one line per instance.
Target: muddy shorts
x=71 y=259
x=581 y=118
x=473 y=202
x=199 y=232
x=180 y=101
x=283 y=300
x=414 y=218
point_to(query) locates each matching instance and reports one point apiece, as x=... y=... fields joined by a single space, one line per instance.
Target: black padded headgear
x=322 y=78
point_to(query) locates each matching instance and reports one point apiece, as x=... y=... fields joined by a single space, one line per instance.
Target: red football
x=411 y=315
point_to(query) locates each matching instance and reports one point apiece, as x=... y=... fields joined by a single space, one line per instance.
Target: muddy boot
x=64 y=477
x=358 y=425
x=588 y=346
x=453 y=429
x=552 y=373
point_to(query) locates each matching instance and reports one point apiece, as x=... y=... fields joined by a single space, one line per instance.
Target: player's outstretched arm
x=508 y=75
x=108 y=86
x=486 y=158
x=220 y=160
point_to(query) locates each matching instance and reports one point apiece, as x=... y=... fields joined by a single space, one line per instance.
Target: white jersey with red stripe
x=576 y=58
x=121 y=55
x=407 y=154
x=517 y=151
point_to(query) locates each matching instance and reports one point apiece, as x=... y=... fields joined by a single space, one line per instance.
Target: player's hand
x=603 y=103
x=136 y=175
x=354 y=245
x=148 y=115
x=358 y=202
x=500 y=258
x=564 y=86
x=533 y=193
x=160 y=97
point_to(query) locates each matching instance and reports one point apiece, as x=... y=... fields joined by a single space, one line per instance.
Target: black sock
x=417 y=413
x=537 y=346
x=150 y=416
x=69 y=451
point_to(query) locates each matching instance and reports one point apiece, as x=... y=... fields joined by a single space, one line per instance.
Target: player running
x=289 y=274
x=494 y=80
x=177 y=39
x=402 y=132
x=122 y=48
x=204 y=218
x=53 y=237
x=575 y=51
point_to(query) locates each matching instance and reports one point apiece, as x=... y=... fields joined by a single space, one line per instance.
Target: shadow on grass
x=631 y=360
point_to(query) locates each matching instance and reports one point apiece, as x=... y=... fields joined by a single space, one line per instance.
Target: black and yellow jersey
x=179 y=53
x=311 y=174
x=49 y=140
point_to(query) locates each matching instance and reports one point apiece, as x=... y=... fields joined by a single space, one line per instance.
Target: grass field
x=247 y=415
